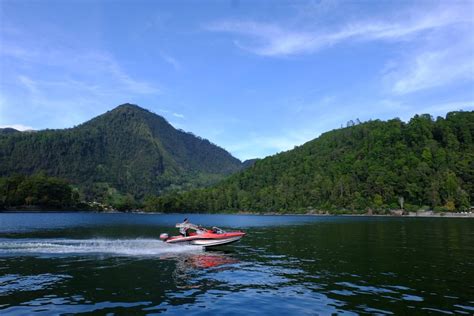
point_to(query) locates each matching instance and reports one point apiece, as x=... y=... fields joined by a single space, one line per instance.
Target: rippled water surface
x=60 y=263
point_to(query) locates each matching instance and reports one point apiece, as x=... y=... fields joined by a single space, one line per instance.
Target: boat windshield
x=218 y=230
x=197 y=228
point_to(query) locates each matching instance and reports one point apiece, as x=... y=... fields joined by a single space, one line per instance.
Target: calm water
x=52 y=264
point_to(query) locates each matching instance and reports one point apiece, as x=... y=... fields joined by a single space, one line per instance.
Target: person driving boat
x=184 y=229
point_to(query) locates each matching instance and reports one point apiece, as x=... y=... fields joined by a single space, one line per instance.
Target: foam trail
x=131 y=247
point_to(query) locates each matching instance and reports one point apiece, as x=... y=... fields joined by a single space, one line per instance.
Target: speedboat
x=200 y=236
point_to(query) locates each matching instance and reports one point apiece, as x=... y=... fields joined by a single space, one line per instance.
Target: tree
x=378 y=201
x=450 y=206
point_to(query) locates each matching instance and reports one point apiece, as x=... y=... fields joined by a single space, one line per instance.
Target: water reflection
x=208 y=259
x=236 y=282
x=188 y=267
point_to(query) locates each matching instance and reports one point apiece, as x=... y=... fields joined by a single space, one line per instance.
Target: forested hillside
x=128 y=150
x=376 y=165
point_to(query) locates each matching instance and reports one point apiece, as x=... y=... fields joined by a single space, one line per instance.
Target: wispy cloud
x=178 y=125
x=178 y=115
x=29 y=84
x=266 y=39
x=433 y=67
x=133 y=85
x=270 y=39
x=171 y=60
x=171 y=113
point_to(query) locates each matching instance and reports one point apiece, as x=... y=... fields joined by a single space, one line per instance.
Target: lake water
x=105 y=264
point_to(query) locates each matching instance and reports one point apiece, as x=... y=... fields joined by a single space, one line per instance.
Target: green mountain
x=376 y=165
x=128 y=149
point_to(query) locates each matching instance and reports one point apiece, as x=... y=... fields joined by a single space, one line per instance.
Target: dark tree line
x=40 y=191
x=37 y=190
x=376 y=165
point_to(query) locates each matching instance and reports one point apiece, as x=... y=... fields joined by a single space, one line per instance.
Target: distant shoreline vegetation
x=36 y=191
x=41 y=192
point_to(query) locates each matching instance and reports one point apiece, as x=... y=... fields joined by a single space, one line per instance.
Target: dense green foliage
x=374 y=165
x=36 y=191
x=128 y=150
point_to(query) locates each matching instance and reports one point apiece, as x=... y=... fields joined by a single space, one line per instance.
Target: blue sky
x=255 y=77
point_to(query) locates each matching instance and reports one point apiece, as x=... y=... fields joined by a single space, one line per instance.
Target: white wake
x=130 y=247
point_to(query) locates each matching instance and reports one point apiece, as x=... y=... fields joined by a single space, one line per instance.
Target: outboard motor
x=164 y=236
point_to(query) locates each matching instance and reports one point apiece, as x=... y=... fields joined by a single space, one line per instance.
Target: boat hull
x=215 y=242
x=207 y=239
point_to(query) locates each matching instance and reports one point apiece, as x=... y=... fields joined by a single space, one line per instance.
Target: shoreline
x=410 y=215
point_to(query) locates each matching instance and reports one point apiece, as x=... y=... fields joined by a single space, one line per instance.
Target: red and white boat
x=200 y=236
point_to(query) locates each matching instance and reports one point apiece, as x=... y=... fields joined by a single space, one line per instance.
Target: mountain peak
x=129 y=107
x=126 y=113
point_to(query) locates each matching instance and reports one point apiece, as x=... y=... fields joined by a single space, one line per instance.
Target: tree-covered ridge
x=374 y=165
x=129 y=149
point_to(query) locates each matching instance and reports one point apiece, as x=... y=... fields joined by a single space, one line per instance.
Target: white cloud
x=266 y=39
x=171 y=113
x=269 y=39
x=432 y=68
x=171 y=60
x=19 y=127
x=178 y=115
x=178 y=125
x=29 y=84
x=133 y=85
